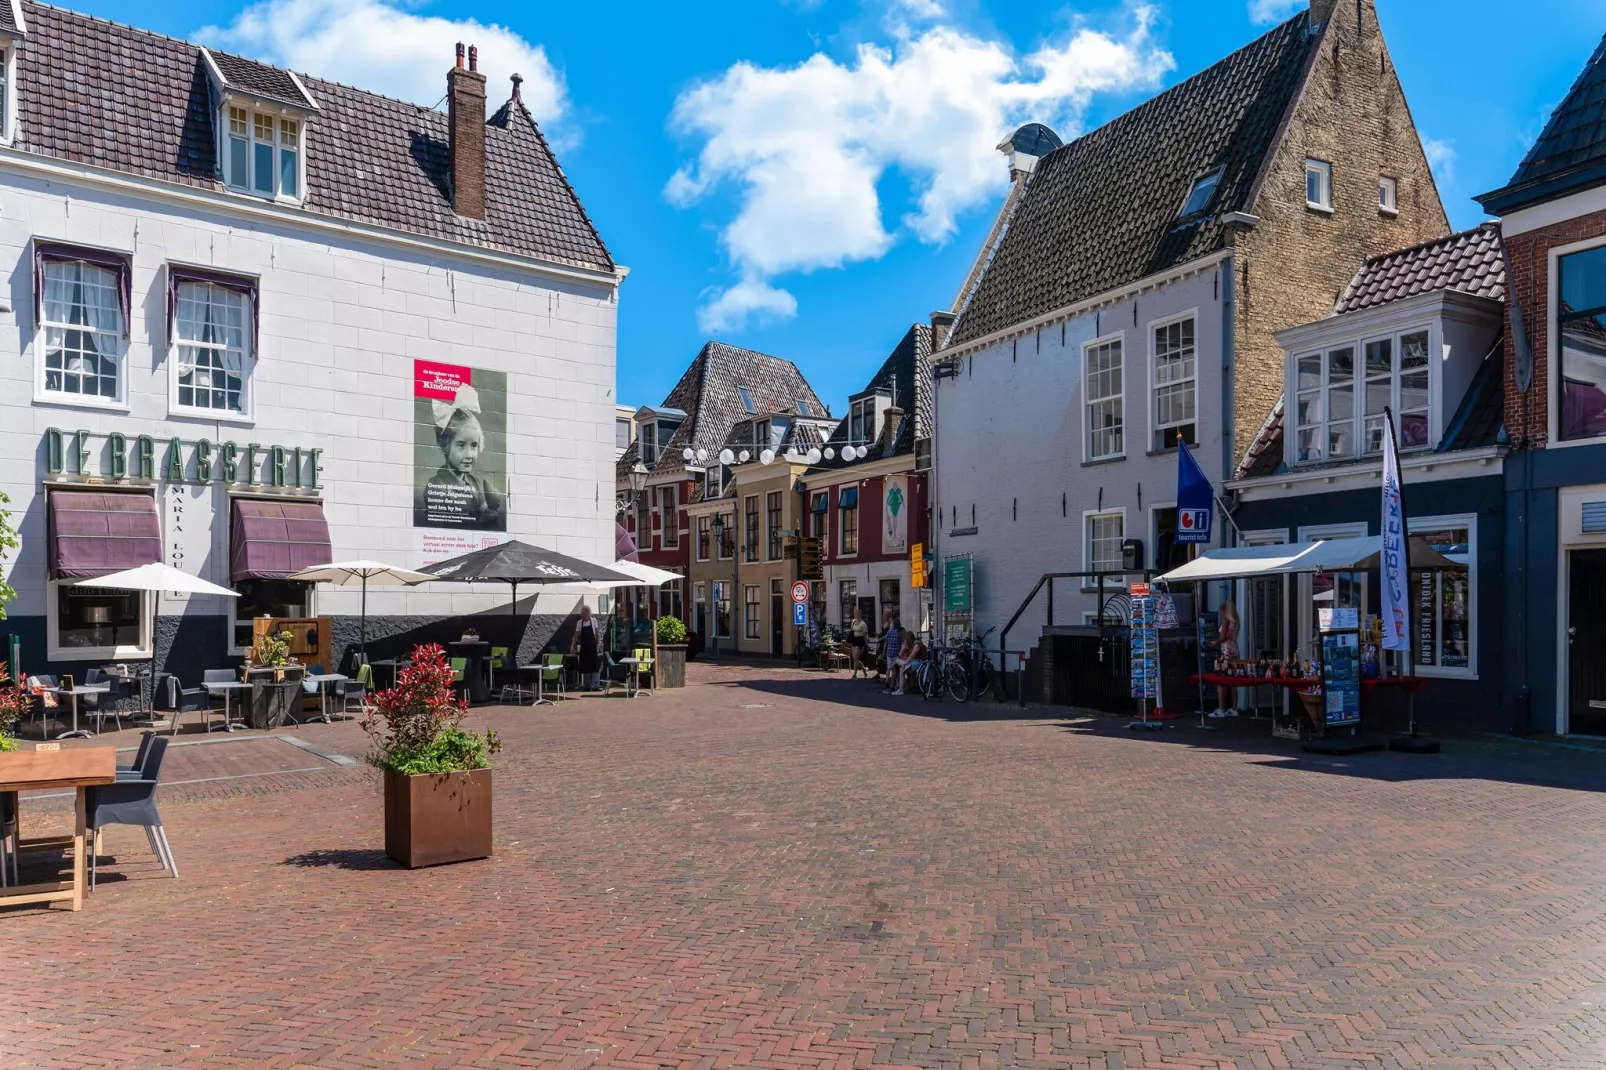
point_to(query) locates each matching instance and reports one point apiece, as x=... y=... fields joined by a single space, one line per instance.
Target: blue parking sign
x=800 y=614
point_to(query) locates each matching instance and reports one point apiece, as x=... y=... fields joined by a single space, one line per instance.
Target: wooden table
x=78 y=769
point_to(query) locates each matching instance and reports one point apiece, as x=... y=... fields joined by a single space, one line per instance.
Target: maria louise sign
x=67 y=453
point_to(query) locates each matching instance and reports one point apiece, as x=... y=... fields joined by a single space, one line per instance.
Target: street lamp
x=719 y=542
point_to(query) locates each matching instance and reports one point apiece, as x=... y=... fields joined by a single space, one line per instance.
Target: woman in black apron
x=586 y=641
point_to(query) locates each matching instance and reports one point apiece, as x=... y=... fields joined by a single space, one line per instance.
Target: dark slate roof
x=1480 y=420
x=906 y=375
x=1571 y=151
x=249 y=76
x=105 y=95
x=707 y=393
x=1265 y=454
x=1470 y=261
x=8 y=17
x=1102 y=211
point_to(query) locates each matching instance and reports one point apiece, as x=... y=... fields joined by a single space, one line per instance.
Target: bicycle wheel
x=957 y=680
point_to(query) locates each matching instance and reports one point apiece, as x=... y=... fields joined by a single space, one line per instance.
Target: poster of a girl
x=1228 y=635
x=456 y=496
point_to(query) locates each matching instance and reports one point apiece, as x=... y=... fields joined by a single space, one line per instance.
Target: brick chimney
x=465 y=97
x=941 y=323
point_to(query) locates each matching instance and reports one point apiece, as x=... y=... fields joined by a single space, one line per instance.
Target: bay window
x=1175 y=384
x=1335 y=400
x=1443 y=600
x=1581 y=350
x=1102 y=363
x=212 y=347
x=81 y=315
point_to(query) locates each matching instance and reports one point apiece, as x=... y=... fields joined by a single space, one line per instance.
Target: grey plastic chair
x=132 y=802
x=188 y=700
x=135 y=771
x=8 y=837
x=42 y=713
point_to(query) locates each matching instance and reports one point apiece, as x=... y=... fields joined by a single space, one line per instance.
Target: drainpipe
x=1229 y=363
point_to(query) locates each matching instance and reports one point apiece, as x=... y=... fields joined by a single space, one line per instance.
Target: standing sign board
x=917 y=565
x=1145 y=644
x=1341 y=665
x=958 y=599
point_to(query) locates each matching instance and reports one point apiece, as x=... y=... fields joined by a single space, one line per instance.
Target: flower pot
x=434 y=818
x=671 y=665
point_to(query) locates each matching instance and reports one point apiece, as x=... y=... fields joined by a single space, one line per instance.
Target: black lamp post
x=719 y=542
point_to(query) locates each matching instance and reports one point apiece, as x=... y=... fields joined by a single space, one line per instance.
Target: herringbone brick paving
x=782 y=869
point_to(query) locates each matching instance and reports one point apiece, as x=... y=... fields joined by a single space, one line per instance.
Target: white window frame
x=1388 y=195
x=54 y=651
x=8 y=103
x=625 y=423
x=1153 y=405
x=842 y=524
x=669 y=499
x=862 y=421
x=1323 y=171
x=1089 y=401
x=1088 y=516
x=61 y=397
x=1469 y=521
x=1212 y=177
x=1553 y=361
x=244 y=184
x=698 y=550
x=247 y=365
x=752 y=613
x=1357 y=344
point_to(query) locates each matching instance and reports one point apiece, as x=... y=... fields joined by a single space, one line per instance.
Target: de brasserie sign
x=69 y=455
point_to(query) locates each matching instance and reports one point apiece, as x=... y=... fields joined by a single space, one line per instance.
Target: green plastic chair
x=551 y=673
x=644 y=667
x=499 y=660
x=459 y=671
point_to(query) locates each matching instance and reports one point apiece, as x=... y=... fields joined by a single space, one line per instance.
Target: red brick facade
x=870 y=492
x=1528 y=256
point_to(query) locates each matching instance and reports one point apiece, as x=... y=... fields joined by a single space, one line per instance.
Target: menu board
x=1341 y=677
x=1145 y=647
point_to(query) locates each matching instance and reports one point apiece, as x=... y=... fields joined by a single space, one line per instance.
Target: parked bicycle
x=943 y=673
x=976 y=664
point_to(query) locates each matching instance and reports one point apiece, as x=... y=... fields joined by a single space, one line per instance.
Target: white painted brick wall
x=342 y=321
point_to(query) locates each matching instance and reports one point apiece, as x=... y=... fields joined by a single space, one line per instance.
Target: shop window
x=847 y=598
x=1105 y=401
x=1442 y=600
x=98 y=623
x=267 y=598
x=1582 y=321
x=82 y=318
x=212 y=348
x=750 y=605
x=1175 y=384
x=891 y=600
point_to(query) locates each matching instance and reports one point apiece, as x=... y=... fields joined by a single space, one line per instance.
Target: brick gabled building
x=1553 y=217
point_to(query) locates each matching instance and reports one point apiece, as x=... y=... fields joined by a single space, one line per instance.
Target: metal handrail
x=1048 y=579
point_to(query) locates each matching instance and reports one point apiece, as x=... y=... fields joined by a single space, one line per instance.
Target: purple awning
x=268 y=540
x=624 y=547
x=95 y=533
x=60 y=251
x=241 y=284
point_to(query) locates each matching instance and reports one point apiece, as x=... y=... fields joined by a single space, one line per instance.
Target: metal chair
x=551 y=672
x=8 y=836
x=131 y=802
x=499 y=659
x=646 y=664
x=91 y=703
x=41 y=712
x=219 y=676
x=356 y=690
x=309 y=689
x=459 y=673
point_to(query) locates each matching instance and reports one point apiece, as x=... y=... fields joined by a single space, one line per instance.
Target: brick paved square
x=784 y=869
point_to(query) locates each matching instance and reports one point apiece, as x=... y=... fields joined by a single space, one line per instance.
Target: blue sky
x=808 y=177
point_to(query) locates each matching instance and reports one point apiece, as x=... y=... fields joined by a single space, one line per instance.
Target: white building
x=258 y=320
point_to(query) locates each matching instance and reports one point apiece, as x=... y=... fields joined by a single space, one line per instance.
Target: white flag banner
x=1396 y=627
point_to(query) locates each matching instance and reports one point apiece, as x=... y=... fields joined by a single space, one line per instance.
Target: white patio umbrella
x=353 y=573
x=157 y=577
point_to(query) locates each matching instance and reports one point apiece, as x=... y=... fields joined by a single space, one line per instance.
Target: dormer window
x=264 y=154
x=861 y=420
x=261 y=120
x=1200 y=196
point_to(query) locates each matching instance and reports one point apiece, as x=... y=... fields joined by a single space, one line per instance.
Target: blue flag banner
x=1395 y=603
x=1196 y=499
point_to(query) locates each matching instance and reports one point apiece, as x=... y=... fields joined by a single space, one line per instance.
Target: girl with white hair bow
x=455 y=494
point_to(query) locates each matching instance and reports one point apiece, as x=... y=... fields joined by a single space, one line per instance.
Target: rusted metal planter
x=435 y=818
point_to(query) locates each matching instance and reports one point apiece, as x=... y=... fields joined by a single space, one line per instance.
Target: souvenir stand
x=1329 y=685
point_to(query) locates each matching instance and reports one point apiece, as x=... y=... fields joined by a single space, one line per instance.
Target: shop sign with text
x=115 y=457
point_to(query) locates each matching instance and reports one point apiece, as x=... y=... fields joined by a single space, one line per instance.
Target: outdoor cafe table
x=35 y=770
x=1408 y=684
x=228 y=689
x=323 y=692
x=75 y=691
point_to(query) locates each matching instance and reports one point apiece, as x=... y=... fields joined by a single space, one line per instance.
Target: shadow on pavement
x=343 y=858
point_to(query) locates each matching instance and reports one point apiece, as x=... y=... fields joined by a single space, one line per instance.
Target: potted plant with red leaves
x=437 y=773
x=14 y=704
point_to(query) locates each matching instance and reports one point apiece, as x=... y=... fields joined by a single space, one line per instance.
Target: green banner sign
x=956 y=585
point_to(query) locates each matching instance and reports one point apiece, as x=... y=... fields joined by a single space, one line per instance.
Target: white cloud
x=380 y=47
x=1441 y=157
x=807 y=145
x=730 y=308
x=1265 y=11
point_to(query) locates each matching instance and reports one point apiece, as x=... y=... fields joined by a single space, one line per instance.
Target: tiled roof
x=707 y=393
x=8 y=17
x=1265 y=454
x=1102 y=211
x=260 y=79
x=906 y=376
x=105 y=95
x=1481 y=417
x=1571 y=151
x=1470 y=261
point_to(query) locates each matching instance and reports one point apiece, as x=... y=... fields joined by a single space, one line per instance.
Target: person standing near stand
x=586 y=642
x=1226 y=701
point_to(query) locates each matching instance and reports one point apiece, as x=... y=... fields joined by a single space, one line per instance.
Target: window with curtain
x=212 y=325
x=83 y=330
x=1582 y=322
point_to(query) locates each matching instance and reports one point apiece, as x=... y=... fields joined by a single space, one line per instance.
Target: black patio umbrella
x=518 y=562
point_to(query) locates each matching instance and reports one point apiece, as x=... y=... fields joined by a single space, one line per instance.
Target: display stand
x=1145 y=657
